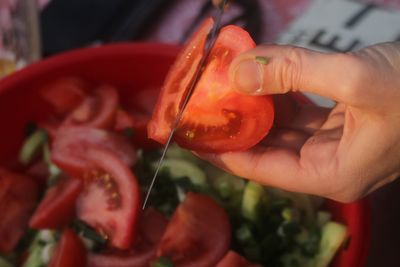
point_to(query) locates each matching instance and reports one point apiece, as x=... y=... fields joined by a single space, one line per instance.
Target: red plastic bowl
x=132 y=68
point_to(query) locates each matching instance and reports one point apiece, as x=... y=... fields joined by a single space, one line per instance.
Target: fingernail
x=248 y=77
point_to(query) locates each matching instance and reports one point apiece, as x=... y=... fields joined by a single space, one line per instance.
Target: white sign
x=341 y=26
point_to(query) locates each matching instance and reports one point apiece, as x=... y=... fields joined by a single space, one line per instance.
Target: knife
x=211 y=38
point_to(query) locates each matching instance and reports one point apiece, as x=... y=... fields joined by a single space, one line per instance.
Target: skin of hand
x=342 y=153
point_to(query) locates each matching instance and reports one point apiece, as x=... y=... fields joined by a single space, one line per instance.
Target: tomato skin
x=97 y=110
x=232 y=259
x=151 y=228
x=217 y=118
x=64 y=94
x=71 y=143
x=57 y=208
x=18 y=196
x=110 y=201
x=70 y=251
x=198 y=233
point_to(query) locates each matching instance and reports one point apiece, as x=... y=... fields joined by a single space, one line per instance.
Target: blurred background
x=31 y=30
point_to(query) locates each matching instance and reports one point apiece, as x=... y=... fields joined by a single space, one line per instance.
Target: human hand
x=343 y=153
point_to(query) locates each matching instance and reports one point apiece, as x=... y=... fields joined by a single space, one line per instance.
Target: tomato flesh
x=151 y=228
x=71 y=143
x=64 y=94
x=57 y=208
x=217 y=118
x=178 y=79
x=70 y=251
x=97 y=110
x=198 y=233
x=18 y=196
x=110 y=201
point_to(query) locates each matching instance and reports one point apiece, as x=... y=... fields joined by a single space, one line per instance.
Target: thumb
x=275 y=69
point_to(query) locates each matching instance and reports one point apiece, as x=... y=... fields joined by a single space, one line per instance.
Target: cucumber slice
x=31 y=146
x=227 y=185
x=4 y=263
x=254 y=195
x=175 y=152
x=333 y=235
x=180 y=168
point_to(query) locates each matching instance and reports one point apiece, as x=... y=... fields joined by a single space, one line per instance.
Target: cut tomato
x=18 y=196
x=110 y=202
x=198 y=233
x=71 y=143
x=65 y=94
x=217 y=118
x=151 y=228
x=70 y=251
x=57 y=208
x=97 y=110
x=232 y=259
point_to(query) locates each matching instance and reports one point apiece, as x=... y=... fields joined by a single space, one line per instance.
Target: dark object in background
x=68 y=24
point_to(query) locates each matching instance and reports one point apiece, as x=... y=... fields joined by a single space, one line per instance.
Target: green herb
x=86 y=231
x=262 y=60
x=128 y=132
x=163 y=262
x=4 y=263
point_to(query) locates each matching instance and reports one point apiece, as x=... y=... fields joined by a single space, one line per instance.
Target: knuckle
x=289 y=69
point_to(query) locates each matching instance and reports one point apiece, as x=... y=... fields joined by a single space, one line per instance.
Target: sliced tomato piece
x=71 y=143
x=151 y=228
x=97 y=110
x=57 y=208
x=137 y=123
x=65 y=94
x=18 y=196
x=110 y=202
x=198 y=234
x=217 y=118
x=70 y=251
x=232 y=259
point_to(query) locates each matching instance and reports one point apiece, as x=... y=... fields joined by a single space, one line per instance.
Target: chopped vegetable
x=32 y=146
x=163 y=262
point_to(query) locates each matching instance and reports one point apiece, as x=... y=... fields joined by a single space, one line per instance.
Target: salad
x=75 y=198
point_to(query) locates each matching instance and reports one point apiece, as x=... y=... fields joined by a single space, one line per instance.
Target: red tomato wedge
x=151 y=228
x=64 y=94
x=110 y=201
x=70 y=251
x=217 y=118
x=97 y=110
x=198 y=233
x=232 y=259
x=71 y=143
x=57 y=208
x=18 y=196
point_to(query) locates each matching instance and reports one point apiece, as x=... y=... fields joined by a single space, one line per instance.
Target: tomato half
x=57 y=208
x=64 y=94
x=71 y=143
x=97 y=110
x=232 y=259
x=151 y=228
x=198 y=233
x=217 y=118
x=18 y=196
x=70 y=251
x=110 y=201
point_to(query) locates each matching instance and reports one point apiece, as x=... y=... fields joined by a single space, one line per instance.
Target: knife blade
x=211 y=38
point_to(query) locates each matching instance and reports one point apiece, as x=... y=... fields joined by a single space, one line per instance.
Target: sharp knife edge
x=209 y=45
